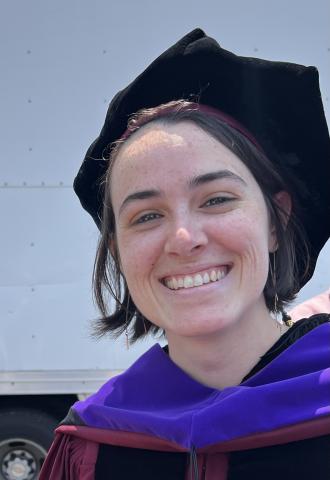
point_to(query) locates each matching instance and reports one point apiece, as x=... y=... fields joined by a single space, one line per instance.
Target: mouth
x=197 y=279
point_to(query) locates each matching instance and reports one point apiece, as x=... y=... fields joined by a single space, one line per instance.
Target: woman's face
x=192 y=229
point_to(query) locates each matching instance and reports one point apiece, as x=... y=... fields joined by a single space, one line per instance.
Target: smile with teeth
x=197 y=279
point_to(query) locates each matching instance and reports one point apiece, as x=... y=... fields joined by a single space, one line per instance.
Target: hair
x=283 y=281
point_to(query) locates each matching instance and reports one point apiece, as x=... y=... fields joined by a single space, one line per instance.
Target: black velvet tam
x=279 y=103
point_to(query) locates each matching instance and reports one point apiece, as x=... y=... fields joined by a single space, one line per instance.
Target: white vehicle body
x=62 y=63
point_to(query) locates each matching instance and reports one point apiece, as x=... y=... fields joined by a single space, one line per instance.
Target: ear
x=284 y=202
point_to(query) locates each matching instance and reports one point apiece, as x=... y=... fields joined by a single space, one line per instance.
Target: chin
x=198 y=328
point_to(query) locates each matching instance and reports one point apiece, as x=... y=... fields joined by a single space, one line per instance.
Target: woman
x=212 y=213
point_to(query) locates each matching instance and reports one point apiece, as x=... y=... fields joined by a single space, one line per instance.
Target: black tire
x=25 y=436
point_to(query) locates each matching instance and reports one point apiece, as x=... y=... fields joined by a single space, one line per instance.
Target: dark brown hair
x=282 y=284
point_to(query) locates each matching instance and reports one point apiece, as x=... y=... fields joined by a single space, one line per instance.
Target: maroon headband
x=214 y=112
x=232 y=122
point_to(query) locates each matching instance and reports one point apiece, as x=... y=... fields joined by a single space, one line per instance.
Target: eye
x=217 y=201
x=148 y=217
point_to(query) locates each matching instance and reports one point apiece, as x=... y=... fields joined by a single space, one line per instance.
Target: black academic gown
x=302 y=460
x=305 y=459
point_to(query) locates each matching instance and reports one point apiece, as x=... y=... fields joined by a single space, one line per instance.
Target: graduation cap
x=279 y=103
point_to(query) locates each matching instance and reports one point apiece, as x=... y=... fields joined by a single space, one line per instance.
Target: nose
x=185 y=240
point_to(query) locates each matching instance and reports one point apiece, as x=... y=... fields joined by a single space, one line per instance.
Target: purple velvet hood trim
x=155 y=397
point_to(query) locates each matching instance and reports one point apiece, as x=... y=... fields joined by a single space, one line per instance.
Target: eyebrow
x=193 y=183
x=211 y=176
x=142 y=195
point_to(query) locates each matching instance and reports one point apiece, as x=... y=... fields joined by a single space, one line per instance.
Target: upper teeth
x=189 y=281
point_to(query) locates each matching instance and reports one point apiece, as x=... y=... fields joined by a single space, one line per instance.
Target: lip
x=194 y=270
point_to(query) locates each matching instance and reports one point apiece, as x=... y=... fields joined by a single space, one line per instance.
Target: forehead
x=160 y=152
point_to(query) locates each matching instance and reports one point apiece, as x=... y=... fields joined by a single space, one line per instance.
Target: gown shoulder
x=70 y=458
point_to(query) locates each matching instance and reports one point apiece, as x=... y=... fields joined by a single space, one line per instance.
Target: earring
x=126 y=322
x=272 y=269
x=286 y=319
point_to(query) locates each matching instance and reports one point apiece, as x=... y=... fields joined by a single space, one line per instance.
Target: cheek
x=246 y=237
x=138 y=253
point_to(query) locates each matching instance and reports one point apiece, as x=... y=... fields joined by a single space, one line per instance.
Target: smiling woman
x=208 y=139
x=189 y=237
x=212 y=214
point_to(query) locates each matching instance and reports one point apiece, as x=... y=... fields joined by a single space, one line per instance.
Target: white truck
x=61 y=65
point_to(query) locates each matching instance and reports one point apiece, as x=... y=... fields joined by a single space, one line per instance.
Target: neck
x=224 y=358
